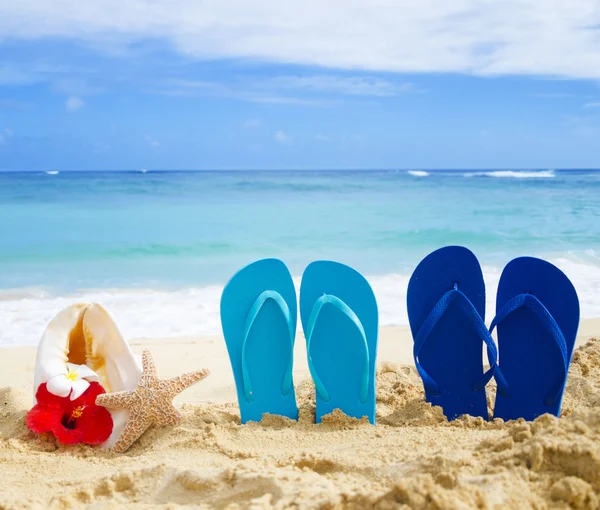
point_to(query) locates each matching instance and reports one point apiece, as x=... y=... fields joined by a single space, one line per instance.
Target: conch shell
x=85 y=334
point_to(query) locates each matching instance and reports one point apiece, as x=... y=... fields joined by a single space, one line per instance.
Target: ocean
x=155 y=248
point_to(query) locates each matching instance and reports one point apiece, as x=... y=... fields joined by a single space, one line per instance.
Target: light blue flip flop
x=258 y=316
x=339 y=316
x=537 y=314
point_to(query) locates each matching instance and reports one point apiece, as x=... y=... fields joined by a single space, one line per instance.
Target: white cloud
x=5 y=135
x=74 y=87
x=351 y=85
x=278 y=90
x=252 y=124
x=532 y=37
x=22 y=71
x=273 y=98
x=151 y=141
x=283 y=138
x=553 y=95
x=593 y=104
x=74 y=103
x=12 y=75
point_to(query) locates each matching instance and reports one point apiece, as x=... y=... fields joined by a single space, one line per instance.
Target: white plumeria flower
x=74 y=381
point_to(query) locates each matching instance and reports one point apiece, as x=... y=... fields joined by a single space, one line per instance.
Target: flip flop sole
x=452 y=354
x=337 y=348
x=269 y=350
x=529 y=357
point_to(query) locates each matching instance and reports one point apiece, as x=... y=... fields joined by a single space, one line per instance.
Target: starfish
x=150 y=402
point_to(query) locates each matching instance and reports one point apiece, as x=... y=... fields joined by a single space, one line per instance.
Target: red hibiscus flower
x=71 y=421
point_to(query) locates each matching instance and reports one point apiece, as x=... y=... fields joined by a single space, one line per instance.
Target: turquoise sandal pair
x=340 y=321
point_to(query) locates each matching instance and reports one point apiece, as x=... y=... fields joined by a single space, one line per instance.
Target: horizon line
x=314 y=169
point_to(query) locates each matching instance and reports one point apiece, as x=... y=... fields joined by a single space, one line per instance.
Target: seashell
x=85 y=334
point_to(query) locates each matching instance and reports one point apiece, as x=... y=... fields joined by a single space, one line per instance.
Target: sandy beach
x=174 y=172
x=413 y=457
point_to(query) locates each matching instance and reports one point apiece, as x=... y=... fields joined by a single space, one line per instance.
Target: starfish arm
x=148 y=365
x=177 y=384
x=169 y=417
x=131 y=433
x=118 y=400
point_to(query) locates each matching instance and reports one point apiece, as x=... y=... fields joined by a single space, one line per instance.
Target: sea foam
x=514 y=174
x=418 y=173
x=148 y=313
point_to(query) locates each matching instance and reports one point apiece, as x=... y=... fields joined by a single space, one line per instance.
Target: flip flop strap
x=437 y=312
x=547 y=320
x=252 y=314
x=328 y=299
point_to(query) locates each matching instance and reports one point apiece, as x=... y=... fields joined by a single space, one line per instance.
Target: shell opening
x=82 y=351
x=77 y=344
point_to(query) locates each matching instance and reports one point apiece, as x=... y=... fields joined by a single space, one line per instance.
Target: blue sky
x=232 y=84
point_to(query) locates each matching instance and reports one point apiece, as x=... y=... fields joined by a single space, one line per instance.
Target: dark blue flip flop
x=537 y=315
x=446 y=310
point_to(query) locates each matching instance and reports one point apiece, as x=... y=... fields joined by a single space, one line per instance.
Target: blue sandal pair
x=537 y=315
x=339 y=317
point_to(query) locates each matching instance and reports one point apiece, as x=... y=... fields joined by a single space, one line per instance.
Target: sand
x=413 y=458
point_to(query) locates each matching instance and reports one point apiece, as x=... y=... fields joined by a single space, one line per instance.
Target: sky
x=238 y=84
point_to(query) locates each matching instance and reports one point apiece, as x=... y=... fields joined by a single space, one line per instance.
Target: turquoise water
x=172 y=232
x=81 y=230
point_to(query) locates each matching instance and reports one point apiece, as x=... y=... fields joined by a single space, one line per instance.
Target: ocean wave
x=418 y=173
x=514 y=174
x=139 y=313
x=52 y=172
x=152 y=313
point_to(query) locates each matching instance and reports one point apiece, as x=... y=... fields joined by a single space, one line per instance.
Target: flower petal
x=59 y=385
x=85 y=372
x=79 y=387
x=47 y=399
x=89 y=397
x=95 y=424
x=72 y=367
x=68 y=436
x=43 y=419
